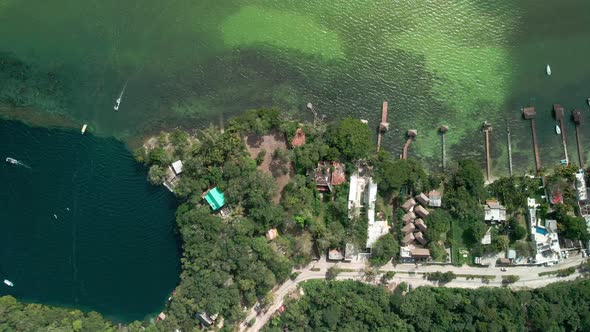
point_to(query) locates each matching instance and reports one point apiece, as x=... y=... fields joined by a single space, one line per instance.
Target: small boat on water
x=11 y=161
x=84 y=128
x=588 y=101
x=548 y=69
x=8 y=283
x=118 y=101
x=557 y=130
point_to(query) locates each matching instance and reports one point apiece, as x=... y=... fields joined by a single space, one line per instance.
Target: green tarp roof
x=215 y=198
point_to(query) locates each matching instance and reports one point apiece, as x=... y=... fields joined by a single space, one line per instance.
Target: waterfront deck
x=577 y=116
x=487 y=128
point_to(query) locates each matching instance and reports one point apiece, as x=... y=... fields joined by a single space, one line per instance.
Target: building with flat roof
x=177 y=167
x=434 y=199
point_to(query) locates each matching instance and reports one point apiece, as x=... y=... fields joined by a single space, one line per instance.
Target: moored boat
x=84 y=129
x=8 y=283
x=557 y=129
x=548 y=69
x=11 y=160
x=588 y=101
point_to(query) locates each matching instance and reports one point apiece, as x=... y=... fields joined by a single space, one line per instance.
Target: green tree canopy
x=352 y=138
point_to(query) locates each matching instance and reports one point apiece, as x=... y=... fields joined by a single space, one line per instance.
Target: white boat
x=118 y=101
x=8 y=283
x=557 y=129
x=11 y=161
x=84 y=128
x=588 y=101
x=548 y=69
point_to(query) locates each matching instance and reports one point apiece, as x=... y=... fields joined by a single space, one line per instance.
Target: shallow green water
x=437 y=62
x=110 y=247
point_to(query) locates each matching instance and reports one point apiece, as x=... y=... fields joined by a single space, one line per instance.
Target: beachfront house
x=423 y=199
x=172 y=175
x=420 y=211
x=329 y=174
x=409 y=205
x=494 y=212
x=215 y=198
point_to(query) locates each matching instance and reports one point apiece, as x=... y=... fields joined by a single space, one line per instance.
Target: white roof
x=177 y=166
x=581 y=186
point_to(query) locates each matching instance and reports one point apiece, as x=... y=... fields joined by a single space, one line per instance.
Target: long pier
x=559 y=114
x=577 y=116
x=487 y=127
x=530 y=114
x=443 y=131
x=509 y=149
x=411 y=134
x=383 y=125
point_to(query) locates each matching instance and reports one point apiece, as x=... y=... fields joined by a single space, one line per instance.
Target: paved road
x=414 y=275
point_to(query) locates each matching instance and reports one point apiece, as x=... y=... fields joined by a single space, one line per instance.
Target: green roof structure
x=215 y=198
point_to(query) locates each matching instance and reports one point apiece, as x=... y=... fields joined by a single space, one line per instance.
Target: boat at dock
x=557 y=130
x=11 y=161
x=548 y=69
x=8 y=283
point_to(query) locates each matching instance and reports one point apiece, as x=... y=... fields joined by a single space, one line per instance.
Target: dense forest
x=353 y=306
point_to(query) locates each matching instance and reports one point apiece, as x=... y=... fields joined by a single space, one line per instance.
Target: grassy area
x=458 y=247
x=560 y=273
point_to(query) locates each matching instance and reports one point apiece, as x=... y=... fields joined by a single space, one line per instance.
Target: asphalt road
x=413 y=275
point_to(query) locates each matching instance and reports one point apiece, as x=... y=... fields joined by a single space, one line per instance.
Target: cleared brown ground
x=269 y=143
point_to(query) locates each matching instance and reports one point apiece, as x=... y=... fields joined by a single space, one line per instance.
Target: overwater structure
x=529 y=114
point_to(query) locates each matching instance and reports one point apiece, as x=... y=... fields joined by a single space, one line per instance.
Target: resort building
x=423 y=199
x=421 y=211
x=410 y=254
x=272 y=234
x=494 y=212
x=215 y=198
x=547 y=249
x=408 y=239
x=409 y=228
x=408 y=217
x=420 y=238
x=409 y=205
x=434 y=199
x=421 y=225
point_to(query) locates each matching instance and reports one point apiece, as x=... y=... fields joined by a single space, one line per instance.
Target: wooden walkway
x=383 y=125
x=535 y=145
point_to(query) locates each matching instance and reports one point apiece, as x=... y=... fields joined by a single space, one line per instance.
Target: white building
x=581 y=186
x=494 y=212
x=547 y=249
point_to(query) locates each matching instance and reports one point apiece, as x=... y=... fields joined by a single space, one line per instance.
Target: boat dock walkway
x=577 y=116
x=487 y=127
x=530 y=114
x=559 y=114
x=411 y=134
x=383 y=125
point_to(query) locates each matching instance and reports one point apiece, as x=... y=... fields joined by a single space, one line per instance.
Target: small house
x=421 y=225
x=161 y=316
x=423 y=199
x=299 y=138
x=335 y=255
x=215 y=198
x=494 y=212
x=409 y=204
x=272 y=234
x=421 y=211
x=409 y=238
x=408 y=228
x=434 y=199
x=420 y=253
x=408 y=217
x=177 y=167
x=328 y=175
x=205 y=319
x=420 y=238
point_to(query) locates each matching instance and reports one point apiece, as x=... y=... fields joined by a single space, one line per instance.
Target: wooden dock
x=443 y=131
x=383 y=125
x=509 y=149
x=577 y=116
x=411 y=134
x=487 y=127
x=530 y=114
x=559 y=115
